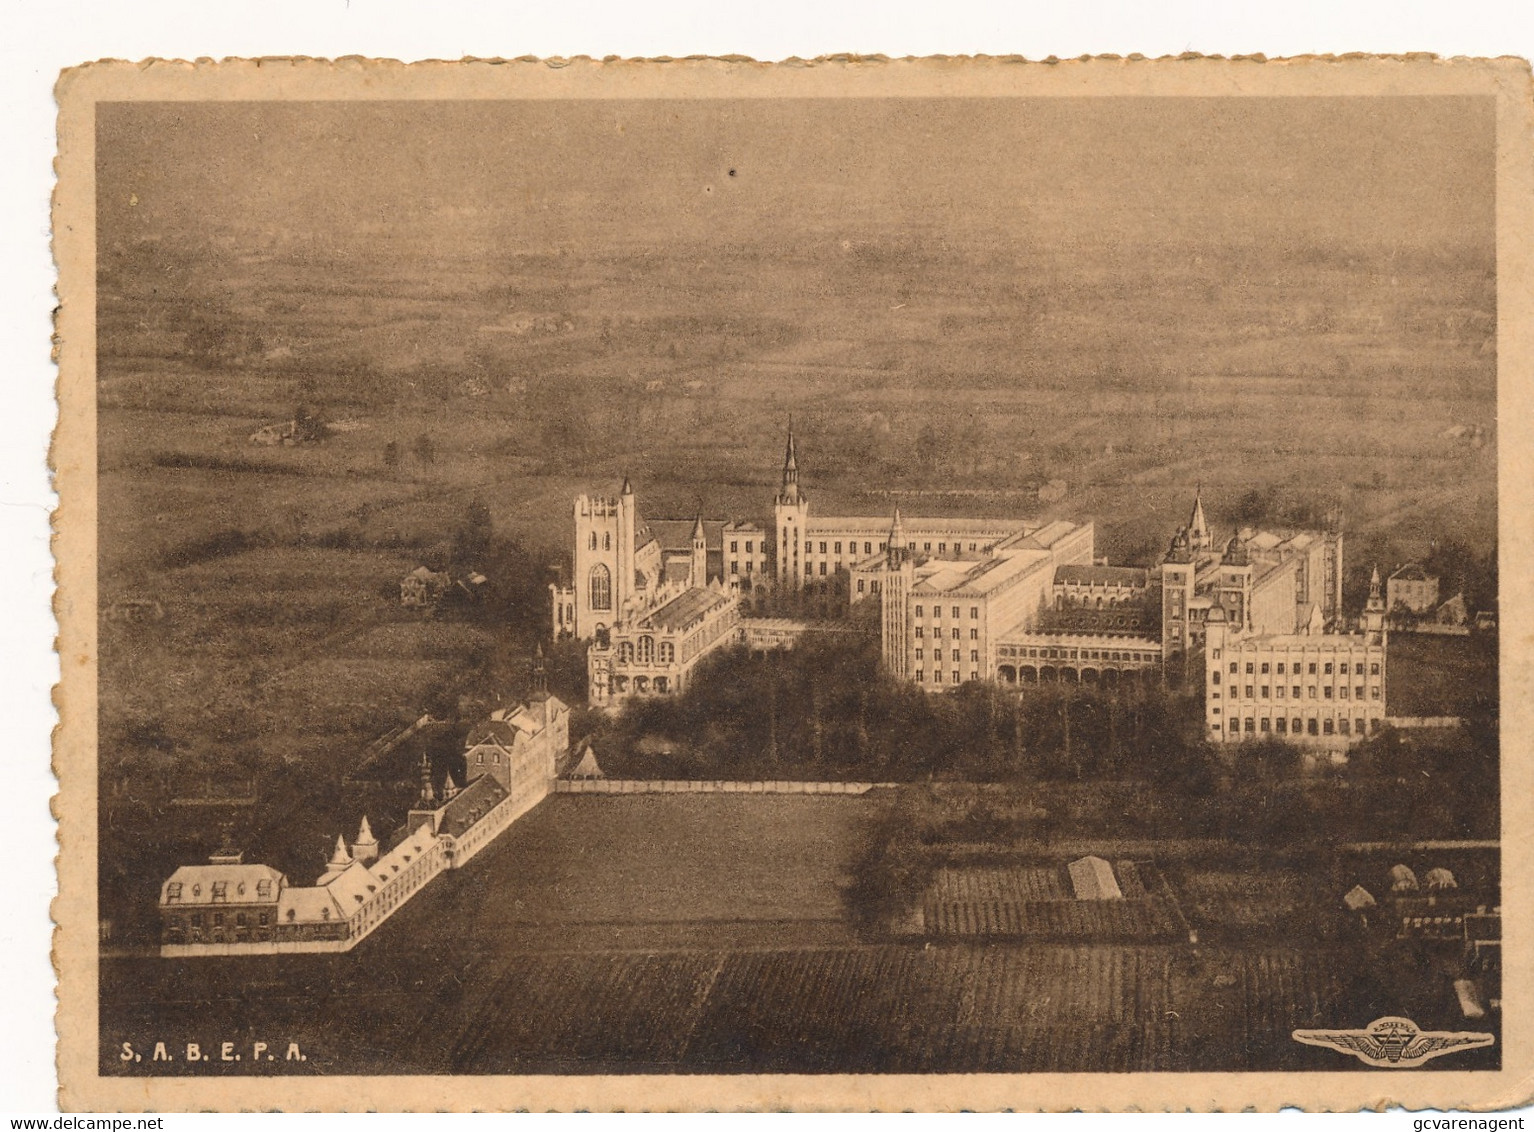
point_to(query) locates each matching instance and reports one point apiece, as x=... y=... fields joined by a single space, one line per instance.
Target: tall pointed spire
x=340 y=858
x=790 y=458
x=1196 y=523
x=540 y=675
x=894 y=550
x=628 y=488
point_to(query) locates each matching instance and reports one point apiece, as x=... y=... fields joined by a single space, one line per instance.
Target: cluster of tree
x=1271 y=506
x=828 y=709
x=1461 y=569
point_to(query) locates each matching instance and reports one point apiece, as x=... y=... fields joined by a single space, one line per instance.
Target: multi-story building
x=1310 y=687
x=227 y=907
x=942 y=617
x=655 y=652
x=1266 y=581
x=963 y=599
x=1411 y=589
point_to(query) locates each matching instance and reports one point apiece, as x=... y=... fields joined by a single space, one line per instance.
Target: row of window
x=873 y=585
x=642 y=685
x=607 y=541
x=1082 y=654
x=937 y=676
x=735 y=567
x=937 y=633
x=868 y=547
x=219 y=893
x=1283 y=726
x=1252 y=692
x=734 y=545
x=1326 y=668
x=646 y=651
x=241 y=920
x=937 y=611
x=937 y=654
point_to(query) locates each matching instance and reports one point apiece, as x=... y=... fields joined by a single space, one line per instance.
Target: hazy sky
x=1380 y=171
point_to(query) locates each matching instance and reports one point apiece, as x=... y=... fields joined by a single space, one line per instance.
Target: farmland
x=887 y=1008
x=707 y=933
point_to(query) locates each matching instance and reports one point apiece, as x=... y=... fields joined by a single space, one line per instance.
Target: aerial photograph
x=761 y=585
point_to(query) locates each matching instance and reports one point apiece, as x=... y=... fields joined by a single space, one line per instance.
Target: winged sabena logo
x=1395 y=1043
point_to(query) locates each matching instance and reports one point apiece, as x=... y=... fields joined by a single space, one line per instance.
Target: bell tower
x=790 y=514
x=894 y=599
x=699 y=554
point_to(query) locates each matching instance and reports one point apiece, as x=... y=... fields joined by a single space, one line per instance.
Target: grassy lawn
x=657 y=870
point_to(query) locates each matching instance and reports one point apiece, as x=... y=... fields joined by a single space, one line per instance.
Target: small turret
x=365 y=848
x=428 y=799
x=1179 y=550
x=449 y=788
x=340 y=860
x=1235 y=552
x=540 y=677
x=1373 y=620
x=627 y=489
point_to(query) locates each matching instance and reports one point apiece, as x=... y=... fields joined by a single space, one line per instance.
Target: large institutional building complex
x=1002 y=600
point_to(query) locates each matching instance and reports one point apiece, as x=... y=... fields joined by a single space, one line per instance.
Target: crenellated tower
x=603 y=575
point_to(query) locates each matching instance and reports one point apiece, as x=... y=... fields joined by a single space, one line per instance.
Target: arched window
x=646 y=650
x=625 y=652
x=600 y=586
x=607 y=541
x=593 y=540
x=603 y=639
x=667 y=652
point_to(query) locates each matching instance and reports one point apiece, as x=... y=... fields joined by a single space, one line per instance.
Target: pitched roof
x=472 y=803
x=241 y=884
x=1358 y=898
x=1093 y=879
x=352 y=887
x=308 y=905
x=688 y=607
x=497 y=731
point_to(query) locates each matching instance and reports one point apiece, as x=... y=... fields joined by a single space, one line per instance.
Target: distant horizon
x=1403 y=175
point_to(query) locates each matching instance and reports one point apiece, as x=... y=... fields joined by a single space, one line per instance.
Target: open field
x=960 y=1008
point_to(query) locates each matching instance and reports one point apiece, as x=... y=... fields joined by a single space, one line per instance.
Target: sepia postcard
x=852 y=584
